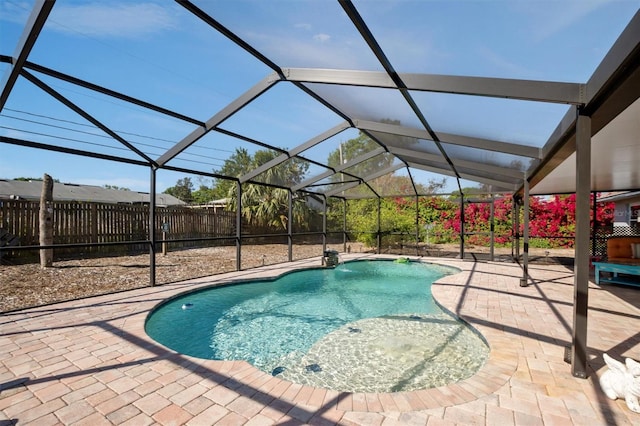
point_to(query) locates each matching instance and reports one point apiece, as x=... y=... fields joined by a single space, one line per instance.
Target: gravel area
x=28 y=285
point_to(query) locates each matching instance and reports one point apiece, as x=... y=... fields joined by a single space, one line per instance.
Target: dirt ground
x=28 y=285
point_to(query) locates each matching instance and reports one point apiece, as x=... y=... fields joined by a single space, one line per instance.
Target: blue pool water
x=268 y=322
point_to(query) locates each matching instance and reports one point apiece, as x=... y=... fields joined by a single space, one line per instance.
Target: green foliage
x=203 y=195
x=235 y=166
x=27 y=179
x=182 y=190
x=117 y=188
x=262 y=205
x=352 y=149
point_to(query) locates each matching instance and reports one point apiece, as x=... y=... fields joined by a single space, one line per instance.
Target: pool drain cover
x=314 y=368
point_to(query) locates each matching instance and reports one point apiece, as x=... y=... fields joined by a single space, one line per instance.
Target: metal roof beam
x=96 y=88
x=486 y=144
x=33 y=79
x=491 y=145
x=528 y=90
x=295 y=151
x=367 y=35
x=73 y=151
x=359 y=159
x=614 y=85
x=205 y=17
x=32 y=28
x=311 y=181
x=503 y=185
x=218 y=118
x=382 y=172
x=481 y=167
x=341 y=188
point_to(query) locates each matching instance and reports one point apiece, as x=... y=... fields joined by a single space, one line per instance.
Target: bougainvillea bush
x=551 y=219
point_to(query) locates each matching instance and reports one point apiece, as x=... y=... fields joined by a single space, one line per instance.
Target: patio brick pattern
x=90 y=362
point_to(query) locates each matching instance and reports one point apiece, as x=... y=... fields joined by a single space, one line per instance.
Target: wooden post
x=46 y=221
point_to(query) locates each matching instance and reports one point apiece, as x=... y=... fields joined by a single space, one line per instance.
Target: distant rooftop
x=31 y=190
x=620 y=196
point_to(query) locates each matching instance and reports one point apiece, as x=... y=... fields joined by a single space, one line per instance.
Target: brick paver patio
x=89 y=362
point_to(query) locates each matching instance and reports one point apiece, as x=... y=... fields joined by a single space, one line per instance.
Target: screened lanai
x=521 y=98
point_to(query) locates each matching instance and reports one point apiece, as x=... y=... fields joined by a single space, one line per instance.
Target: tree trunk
x=46 y=221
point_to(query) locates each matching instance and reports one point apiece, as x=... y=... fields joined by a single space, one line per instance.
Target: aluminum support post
x=524 y=281
x=461 y=225
x=581 y=277
x=513 y=228
x=290 y=228
x=344 y=224
x=324 y=224
x=594 y=229
x=152 y=226
x=379 y=236
x=517 y=226
x=239 y=227
x=492 y=229
x=417 y=227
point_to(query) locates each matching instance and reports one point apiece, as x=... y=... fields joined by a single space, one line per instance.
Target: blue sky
x=158 y=52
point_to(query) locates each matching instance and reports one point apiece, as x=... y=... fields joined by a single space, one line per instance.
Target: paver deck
x=91 y=362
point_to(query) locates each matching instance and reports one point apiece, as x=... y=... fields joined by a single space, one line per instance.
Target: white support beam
x=341 y=188
x=530 y=90
x=499 y=185
x=33 y=26
x=481 y=167
x=614 y=86
x=383 y=172
x=218 y=118
x=476 y=175
x=622 y=51
x=368 y=178
x=485 y=144
x=432 y=169
x=295 y=151
x=357 y=160
x=491 y=145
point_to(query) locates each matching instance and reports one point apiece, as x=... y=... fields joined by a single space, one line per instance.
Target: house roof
x=31 y=190
x=631 y=195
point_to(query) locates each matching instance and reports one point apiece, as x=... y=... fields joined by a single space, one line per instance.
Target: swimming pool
x=364 y=326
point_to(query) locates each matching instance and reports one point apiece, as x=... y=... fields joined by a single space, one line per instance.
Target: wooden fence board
x=81 y=222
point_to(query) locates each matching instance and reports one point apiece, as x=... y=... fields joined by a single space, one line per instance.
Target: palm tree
x=264 y=205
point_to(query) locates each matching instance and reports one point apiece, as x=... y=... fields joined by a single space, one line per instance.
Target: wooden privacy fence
x=83 y=222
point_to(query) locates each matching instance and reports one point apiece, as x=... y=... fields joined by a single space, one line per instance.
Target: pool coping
x=500 y=366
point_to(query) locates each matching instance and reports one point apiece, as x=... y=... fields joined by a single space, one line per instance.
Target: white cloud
x=504 y=66
x=322 y=37
x=303 y=26
x=294 y=52
x=122 y=20
x=16 y=12
x=557 y=16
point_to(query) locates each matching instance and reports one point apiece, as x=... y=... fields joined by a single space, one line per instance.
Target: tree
x=264 y=205
x=27 y=179
x=203 y=195
x=352 y=149
x=236 y=165
x=182 y=190
x=117 y=188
